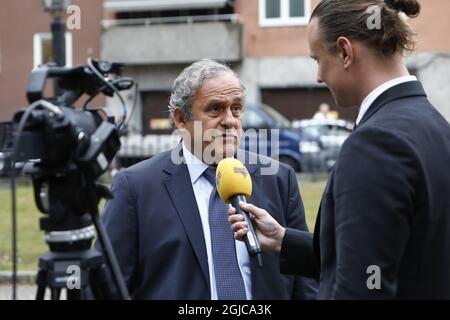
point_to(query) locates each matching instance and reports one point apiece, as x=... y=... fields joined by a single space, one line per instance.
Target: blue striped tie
x=229 y=282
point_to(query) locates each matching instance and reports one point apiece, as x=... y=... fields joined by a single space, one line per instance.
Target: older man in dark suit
x=167 y=226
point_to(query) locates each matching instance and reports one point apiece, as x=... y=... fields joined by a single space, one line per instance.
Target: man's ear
x=346 y=51
x=178 y=119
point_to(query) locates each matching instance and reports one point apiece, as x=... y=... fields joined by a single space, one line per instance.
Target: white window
x=277 y=13
x=42 y=49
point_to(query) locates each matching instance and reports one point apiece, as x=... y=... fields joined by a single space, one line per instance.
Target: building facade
x=25 y=42
x=263 y=40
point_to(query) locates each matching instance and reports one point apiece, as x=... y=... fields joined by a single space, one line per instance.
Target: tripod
x=88 y=269
x=71 y=202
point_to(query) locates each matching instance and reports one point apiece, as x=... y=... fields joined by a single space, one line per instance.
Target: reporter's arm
x=294 y=246
x=297 y=254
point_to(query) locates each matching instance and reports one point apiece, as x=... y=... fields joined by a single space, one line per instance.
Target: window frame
x=284 y=19
x=38 y=52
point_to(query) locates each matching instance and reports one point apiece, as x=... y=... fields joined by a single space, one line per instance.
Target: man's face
x=218 y=106
x=330 y=67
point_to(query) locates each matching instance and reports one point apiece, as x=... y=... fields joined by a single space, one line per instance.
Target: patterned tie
x=229 y=282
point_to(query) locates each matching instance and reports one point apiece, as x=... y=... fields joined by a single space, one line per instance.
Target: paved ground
x=24 y=292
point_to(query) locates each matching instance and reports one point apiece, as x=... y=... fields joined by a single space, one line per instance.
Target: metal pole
x=57 y=9
x=58 y=29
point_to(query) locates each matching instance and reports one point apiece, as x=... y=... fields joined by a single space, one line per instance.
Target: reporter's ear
x=346 y=51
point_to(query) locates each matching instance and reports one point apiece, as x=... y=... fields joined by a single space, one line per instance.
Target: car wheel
x=290 y=162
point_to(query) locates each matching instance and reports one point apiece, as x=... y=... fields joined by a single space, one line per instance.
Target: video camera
x=65 y=151
x=56 y=133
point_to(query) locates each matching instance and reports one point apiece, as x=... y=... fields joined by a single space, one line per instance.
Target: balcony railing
x=170 y=40
x=233 y=18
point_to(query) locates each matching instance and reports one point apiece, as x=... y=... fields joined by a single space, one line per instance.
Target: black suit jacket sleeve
x=297 y=254
x=373 y=194
x=120 y=219
x=305 y=288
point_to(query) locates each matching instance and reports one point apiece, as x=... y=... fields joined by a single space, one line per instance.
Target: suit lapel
x=179 y=187
x=402 y=90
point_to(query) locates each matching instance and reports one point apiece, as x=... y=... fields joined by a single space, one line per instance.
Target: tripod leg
x=55 y=293
x=100 y=284
x=40 y=293
x=73 y=294
x=41 y=283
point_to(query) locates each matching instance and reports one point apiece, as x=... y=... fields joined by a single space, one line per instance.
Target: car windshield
x=278 y=118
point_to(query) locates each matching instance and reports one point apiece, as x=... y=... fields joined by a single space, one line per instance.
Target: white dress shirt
x=367 y=102
x=202 y=190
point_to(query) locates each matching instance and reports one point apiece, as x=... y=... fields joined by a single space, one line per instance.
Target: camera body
x=56 y=133
x=66 y=135
x=65 y=150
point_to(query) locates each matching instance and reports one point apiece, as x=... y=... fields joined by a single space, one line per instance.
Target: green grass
x=31 y=243
x=311 y=192
x=30 y=239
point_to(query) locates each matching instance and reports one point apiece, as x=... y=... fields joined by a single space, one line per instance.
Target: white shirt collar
x=367 y=102
x=196 y=167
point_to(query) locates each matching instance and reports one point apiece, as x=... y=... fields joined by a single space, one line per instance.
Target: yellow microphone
x=234 y=184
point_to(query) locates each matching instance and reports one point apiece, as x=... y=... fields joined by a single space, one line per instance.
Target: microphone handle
x=251 y=240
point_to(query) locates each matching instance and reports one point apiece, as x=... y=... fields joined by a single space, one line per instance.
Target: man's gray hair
x=190 y=80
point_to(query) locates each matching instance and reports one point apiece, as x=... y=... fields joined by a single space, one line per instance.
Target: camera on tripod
x=65 y=151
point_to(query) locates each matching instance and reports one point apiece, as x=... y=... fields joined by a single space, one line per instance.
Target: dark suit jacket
x=155 y=229
x=386 y=203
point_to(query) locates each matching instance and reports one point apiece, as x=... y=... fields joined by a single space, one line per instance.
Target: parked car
x=294 y=147
x=6 y=164
x=331 y=132
x=3 y=164
x=6 y=143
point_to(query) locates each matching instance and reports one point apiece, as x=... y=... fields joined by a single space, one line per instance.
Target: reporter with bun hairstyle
x=383 y=228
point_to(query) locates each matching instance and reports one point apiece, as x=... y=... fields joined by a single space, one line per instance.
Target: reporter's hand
x=269 y=232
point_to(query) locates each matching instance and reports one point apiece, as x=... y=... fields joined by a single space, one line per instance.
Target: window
x=42 y=49
x=253 y=120
x=279 y=120
x=313 y=130
x=273 y=13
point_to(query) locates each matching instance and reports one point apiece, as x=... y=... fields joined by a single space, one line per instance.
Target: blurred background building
x=25 y=42
x=263 y=40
